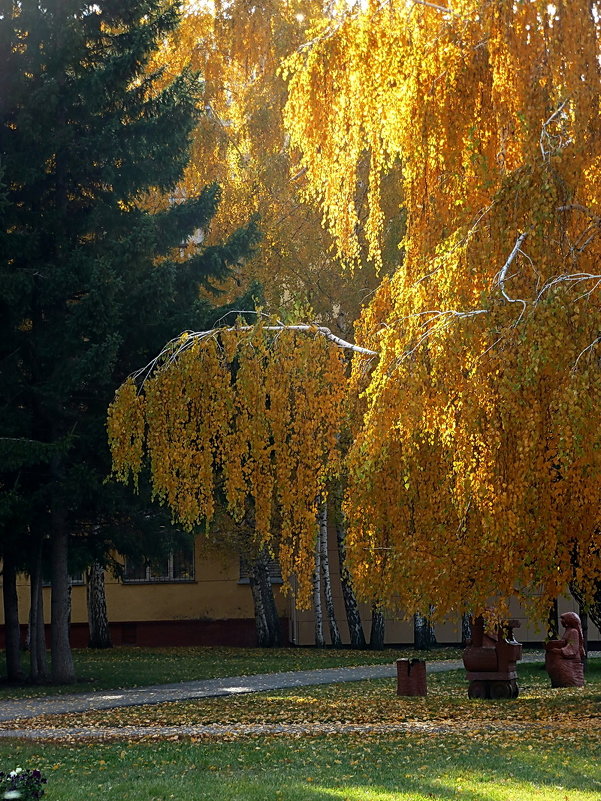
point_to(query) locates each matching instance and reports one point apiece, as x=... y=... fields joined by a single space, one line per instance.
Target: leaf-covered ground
x=539 y=708
x=544 y=746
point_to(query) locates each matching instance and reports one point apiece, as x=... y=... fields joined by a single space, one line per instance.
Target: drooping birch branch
x=333 y=30
x=176 y=346
x=570 y=278
x=586 y=350
x=441 y=319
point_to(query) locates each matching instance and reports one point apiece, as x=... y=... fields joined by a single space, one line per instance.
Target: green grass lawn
x=133 y=667
x=544 y=746
x=336 y=768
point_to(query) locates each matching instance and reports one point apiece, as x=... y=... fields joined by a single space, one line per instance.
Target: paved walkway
x=188 y=690
x=29 y=708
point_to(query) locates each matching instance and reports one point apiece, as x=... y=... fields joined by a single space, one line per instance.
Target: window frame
x=169 y=578
x=275 y=573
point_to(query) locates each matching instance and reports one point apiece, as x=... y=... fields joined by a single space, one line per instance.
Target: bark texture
x=351 y=607
x=376 y=639
x=335 y=638
x=553 y=622
x=38 y=658
x=593 y=609
x=14 y=672
x=320 y=640
x=466 y=629
x=266 y=615
x=423 y=633
x=98 y=622
x=63 y=669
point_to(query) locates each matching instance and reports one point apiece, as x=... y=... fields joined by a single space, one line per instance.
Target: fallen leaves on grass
x=371 y=705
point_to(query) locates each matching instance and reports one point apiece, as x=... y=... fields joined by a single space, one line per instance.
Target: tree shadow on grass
x=523 y=770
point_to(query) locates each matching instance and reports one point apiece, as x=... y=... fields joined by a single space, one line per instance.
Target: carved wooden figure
x=490 y=661
x=564 y=659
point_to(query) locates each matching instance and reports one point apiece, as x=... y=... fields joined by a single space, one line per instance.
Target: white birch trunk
x=351 y=607
x=423 y=633
x=335 y=637
x=376 y=638
x=466 y=629
x=319 y=638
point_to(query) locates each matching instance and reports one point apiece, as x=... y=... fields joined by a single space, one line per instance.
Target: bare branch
x=502 y=274
x=547 y=139
x=435 y=6
x=446 y=317
x=589 y=347
x=327 y=34
x=556 y=112
x=571 y=278
x=579 y=207
x=298 y=175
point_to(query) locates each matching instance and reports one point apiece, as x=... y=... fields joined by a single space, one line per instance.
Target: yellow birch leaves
x=475 y=468
x=244 y=419
x=476 y=472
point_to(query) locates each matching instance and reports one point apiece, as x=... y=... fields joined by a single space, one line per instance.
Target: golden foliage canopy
x=240 y=143
x=477 y=470
x=239 y=418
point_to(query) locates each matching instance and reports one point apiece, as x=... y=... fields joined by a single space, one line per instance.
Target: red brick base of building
x=167 y=633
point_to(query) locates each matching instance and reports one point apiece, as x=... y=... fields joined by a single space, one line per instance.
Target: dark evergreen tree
x=91 y=281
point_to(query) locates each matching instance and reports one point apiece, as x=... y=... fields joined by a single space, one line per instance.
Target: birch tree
x=252 y=411
x=475 y=473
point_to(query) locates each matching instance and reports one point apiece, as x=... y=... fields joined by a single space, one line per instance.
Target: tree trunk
x=262 y=627
x=466 y=629
x=266 y=616
x=98 y=623
x=14 y=672
x=553 y=622
x=38 y=659
x=583 y=615
x=423 y=633
x=335 y=637
x=271 y=611
x=376 y=638
x=353 y=616
x=63 y=669
x=594 y=609
x=319 y=638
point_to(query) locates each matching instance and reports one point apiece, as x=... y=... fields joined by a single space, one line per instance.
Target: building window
x=275 y=572
x=75 y=580
x=176 y=566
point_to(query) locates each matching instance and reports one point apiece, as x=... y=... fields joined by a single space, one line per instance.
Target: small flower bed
x=24 y=785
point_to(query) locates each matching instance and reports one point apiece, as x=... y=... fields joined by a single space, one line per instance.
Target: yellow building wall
x=216 y=593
